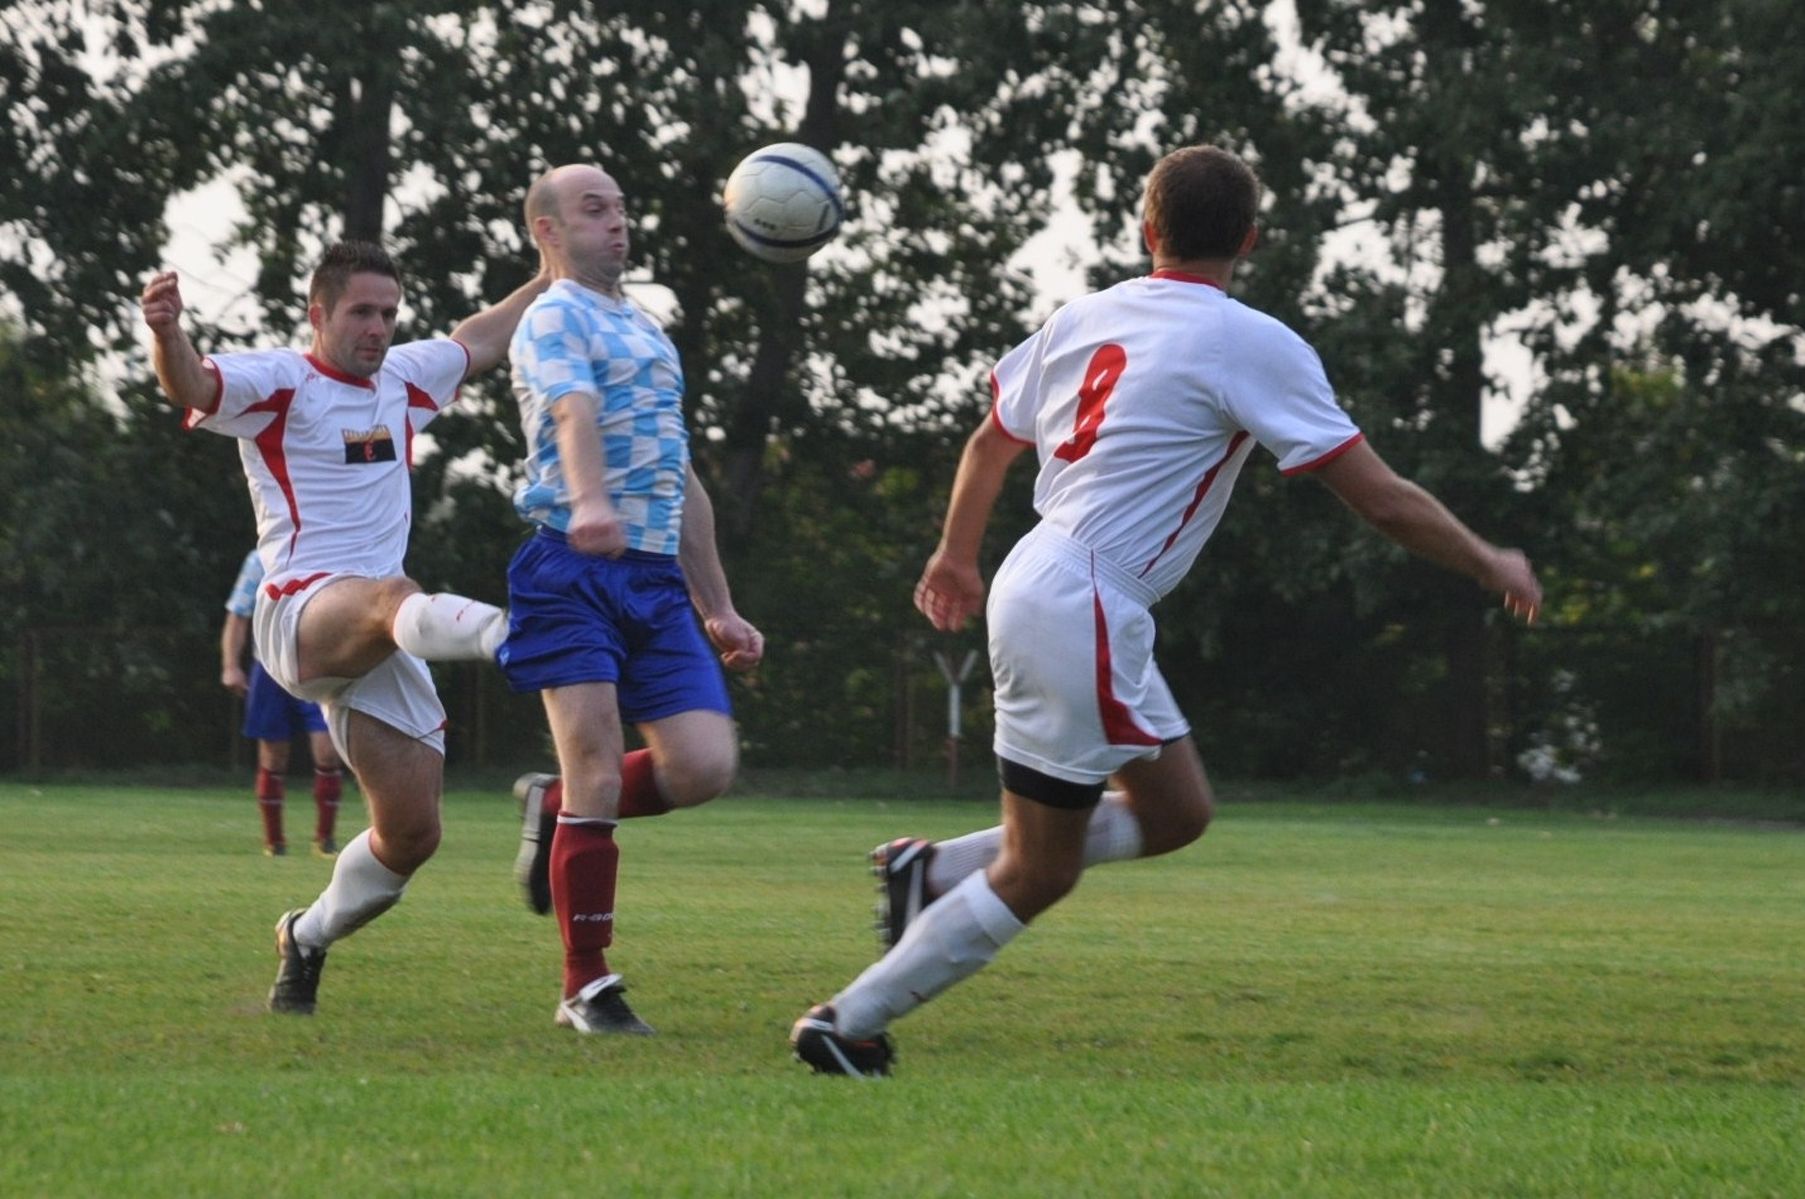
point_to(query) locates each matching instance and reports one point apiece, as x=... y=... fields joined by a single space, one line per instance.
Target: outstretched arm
x=741 y=645
x=1417 y=521
x=486 y=334
x=184 y=378
x=951 y=590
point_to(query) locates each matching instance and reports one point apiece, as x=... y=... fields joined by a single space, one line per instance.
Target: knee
x=699 y=776
x=1177 y=825
x=409 y=845
x=1194 y=819
x=1031 y=887
x=390 y=594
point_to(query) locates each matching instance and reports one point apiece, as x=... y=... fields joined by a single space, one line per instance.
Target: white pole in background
x=954 y=683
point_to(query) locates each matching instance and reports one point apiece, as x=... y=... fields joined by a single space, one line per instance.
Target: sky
x=219 y=285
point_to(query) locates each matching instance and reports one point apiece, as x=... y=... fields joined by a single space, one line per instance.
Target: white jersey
x=1144 y=400
x=327 y=454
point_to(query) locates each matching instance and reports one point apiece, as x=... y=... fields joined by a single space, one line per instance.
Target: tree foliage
x=1508 y=174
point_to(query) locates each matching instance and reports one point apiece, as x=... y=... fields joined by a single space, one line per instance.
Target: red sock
x=327 y=786
x=585 y=861
x=639 y=795
x=269 y=802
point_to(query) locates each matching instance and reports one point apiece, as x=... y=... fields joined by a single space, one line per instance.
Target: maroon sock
x=553 y=802
x=269 y=802
x=585 y=861
x=639 y=795
x=327 y=786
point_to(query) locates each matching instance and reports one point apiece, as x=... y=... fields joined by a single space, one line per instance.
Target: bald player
x=604 y=597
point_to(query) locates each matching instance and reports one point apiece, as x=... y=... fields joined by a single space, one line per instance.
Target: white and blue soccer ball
x=783 y=202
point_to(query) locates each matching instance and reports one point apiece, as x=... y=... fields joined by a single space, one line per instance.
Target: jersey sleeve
x=245 y=383
x=1285 y=401
x=551 y=353
x=431 y=371
x=1015 y=391
x=242 y=601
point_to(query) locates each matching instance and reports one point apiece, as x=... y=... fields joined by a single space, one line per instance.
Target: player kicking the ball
x=326 y=439
x=1143 y=402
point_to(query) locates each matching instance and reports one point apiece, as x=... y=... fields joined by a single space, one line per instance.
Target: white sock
x=1113 y=835
x=361 y=889
x=951 y=940
x=446 y=627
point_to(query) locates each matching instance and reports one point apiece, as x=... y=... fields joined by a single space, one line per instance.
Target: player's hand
x=1512 y=576
x=950 y=592
x=597 y=529
x=742 y=646
x=233 y=680
x=161 y=302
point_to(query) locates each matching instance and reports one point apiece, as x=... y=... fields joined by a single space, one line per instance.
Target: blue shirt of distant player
x=574 y=339
x=242 y=599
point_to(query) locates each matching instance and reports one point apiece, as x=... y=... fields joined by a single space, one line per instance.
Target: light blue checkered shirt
x=242 y=599
x=573 y=339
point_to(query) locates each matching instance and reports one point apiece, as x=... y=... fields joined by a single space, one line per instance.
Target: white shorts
x=398 y=691
x=1071 y=652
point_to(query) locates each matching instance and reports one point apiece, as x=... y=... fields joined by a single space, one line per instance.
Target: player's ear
x=316 y=316
x=1249 y=242
x=1150 y=238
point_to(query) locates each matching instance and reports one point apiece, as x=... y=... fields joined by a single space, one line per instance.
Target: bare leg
x=1158 y=805
x=346 y=629
x=695 y=755
x=401 y=780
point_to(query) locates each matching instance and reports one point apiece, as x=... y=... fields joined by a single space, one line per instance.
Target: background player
x=603 y=598
x=272 y=718
x=1142 y=401
x=326 y=439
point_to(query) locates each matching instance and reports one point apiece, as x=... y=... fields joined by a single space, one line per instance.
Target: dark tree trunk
x=769 y=394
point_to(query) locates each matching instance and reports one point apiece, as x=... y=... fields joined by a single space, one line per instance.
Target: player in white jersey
x=604 y=596
x=326 y=438
x=1142 y=402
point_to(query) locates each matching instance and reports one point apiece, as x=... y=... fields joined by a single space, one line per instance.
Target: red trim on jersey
x=275 y=457
x=1186 y=277
x=1319 y=463
x=336 y=375
x=996 y=392
x=1119 y=727
x=1203 y=489
x=460 y=345
x=194 y=416
x=293 y=586
x=417 y=398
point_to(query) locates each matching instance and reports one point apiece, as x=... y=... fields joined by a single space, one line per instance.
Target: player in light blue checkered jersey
x=604 y=596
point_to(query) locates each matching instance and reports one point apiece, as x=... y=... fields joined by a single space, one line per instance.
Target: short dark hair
x=342 y=260
x=1200 y=203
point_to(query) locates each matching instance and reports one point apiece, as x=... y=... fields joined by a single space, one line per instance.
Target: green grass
x=1346 y=999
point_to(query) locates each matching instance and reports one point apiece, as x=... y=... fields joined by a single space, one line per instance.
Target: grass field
x=1316 y=1000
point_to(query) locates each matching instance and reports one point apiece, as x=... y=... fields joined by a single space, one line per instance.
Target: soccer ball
x=783 y=202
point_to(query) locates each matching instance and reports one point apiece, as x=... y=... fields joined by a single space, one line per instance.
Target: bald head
x=576 y=215
x=546 y=196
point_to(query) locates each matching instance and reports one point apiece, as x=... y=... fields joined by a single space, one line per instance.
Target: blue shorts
x=272 y=714
x=576 y=618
